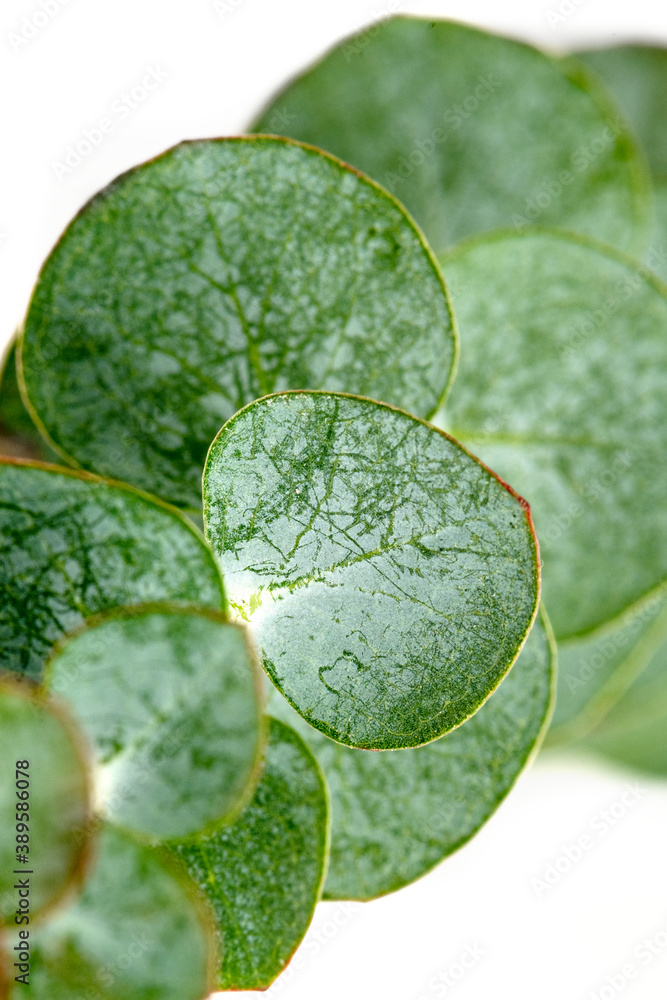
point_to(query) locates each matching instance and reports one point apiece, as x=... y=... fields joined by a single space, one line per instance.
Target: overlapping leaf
x=637 y=77
x=632 y=733
x=390 y=578
x=396 y=815
x=138 y=930
x=561 y=390
x=19 y=438
x=263 y=875
x=72 y=545
x=170 y=700
x=471 y=132
x=596 y=670
x=216 y=273
x=44 y=804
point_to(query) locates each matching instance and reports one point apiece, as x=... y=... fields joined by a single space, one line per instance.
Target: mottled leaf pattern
x=472 y=132
x=396 y=815
x=263 y=875
x=170 y=700
x=44 y=805
x=390 y=579
x=560 y=400
x=138 y=931
x=72 y=545
x=216 y=273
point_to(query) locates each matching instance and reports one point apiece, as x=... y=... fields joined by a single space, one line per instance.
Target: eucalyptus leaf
x=170 y=698
x=596 y=670
x=72 y=545
x=138 y=931
x=44 y=804
x=216 y=273
x=389 y=577
x=633 y=732
x=263 y=875
x=395 y=815
x=19 y=437
x=472 y=132
x=561 y=389
x=636 y=75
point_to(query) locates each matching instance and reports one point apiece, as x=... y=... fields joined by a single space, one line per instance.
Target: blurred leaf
x=263 y=875
x=390 y=578
x=472 y=132
x=597 y=669
x=216 y=273
x=44 y=803
x=138 y=931
x=72 y=545
x=636 y=75
x=558 y=396
x=396 y=815
x=170 y=700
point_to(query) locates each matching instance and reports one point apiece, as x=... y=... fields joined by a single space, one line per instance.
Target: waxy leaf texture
x=390 y=578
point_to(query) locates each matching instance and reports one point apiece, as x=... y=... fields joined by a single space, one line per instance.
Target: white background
x=560 y=943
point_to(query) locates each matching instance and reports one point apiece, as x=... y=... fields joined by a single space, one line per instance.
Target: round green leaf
x=138 y=931
x=594 y=671
x=263 y=875
x=19 y=437
x=44 y=803
x=636 y=75
x=396 y=815
x=390 y=578
x=472 y=132
x=216 y=273
x=171 y=701
x=72 y=545
x=561 y=389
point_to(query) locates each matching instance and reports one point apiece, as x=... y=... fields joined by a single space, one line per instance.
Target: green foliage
x=263 y=875
x=19 y=438
x=330 y=512
x=387 y=579
x=44 y=802
x=138 y=930
x=472 y=132
x=253 y=265
x=554 y=395
x=396 y=815
x=169 y=699
x=73 y=545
